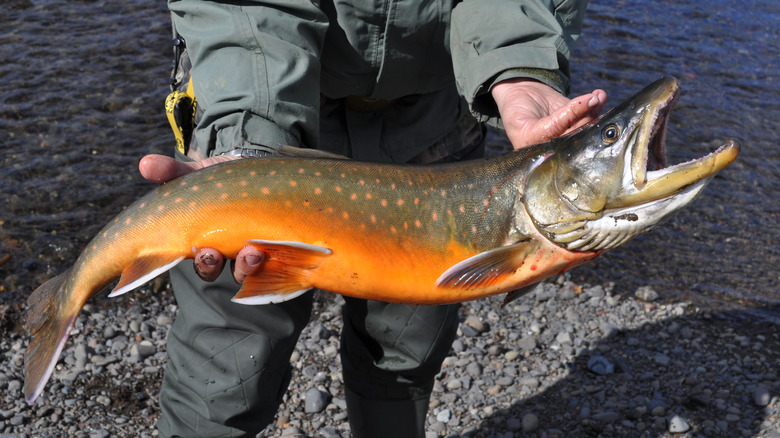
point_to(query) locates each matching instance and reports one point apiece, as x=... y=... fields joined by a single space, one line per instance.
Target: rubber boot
x=386 y=418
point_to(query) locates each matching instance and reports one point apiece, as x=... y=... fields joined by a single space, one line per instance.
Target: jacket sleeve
x=497 y=40
x=255 y=71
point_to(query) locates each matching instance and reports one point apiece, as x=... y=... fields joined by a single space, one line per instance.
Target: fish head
x=610 y=181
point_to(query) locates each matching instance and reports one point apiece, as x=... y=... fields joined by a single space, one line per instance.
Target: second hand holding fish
x=531 y=112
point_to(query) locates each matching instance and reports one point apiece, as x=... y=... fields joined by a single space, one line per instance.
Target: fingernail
x=594 y=101
x=253 y=260
x=208 y=259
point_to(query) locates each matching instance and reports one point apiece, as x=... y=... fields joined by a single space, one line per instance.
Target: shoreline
x=565 y=360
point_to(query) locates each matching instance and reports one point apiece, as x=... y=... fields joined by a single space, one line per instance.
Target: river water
x=82 y=85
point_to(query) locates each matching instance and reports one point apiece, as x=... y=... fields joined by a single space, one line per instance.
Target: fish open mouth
x=647 y=177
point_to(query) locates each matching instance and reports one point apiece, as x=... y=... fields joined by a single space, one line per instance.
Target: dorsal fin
x=292 y=151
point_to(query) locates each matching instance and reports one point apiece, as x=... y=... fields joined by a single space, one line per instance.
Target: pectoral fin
x=143 y=269
x=285 y=272
x=487 y=268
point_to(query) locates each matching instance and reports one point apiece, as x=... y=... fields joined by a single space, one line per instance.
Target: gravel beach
x=566 y=360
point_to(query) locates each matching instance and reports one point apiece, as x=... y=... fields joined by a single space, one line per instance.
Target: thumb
x=161 y=168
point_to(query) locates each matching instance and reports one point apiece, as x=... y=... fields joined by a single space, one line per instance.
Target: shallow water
x=81 y=100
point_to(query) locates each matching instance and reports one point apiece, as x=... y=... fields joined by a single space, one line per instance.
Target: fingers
x=248 y=262
x=208 y=264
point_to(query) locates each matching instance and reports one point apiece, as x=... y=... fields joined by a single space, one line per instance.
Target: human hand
x=533 y=112
x=208 y=261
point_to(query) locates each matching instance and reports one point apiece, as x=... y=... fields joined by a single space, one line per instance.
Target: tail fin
x=49 y=322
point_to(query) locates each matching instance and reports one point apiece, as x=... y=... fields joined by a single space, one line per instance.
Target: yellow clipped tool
x=180 y=109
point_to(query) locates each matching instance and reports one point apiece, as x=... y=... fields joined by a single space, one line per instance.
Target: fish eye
x=610 y=133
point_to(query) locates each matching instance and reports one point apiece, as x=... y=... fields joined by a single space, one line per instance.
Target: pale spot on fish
x=219 y=185
x=400 y=202
x=243 y=183
x=393 y=230
x=265 y=191
x=353 y=196
x=373 y=219
x=194 y=188
x=338 y=189
x=166 y=194
x=417 y=223
x=128 y=220
x=301 y=170
x=317 y=191
x=245 y=195
x=293 y=183
x=224 y=196
x=345 y=215
x=229 y=171
x=160 y=207
x=193 y=203
x=252 y=173
x=384 y=203
x=178 y=200
x=143 y=204
x=287 y=204
x=272 y=173
x=368 y=195
x=462 y=209
x=435 y=216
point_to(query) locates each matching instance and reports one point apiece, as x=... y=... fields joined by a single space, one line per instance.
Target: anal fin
x=284 y=274
x=487 y=268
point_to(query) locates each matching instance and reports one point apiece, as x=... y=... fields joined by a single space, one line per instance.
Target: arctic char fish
x=397 y=233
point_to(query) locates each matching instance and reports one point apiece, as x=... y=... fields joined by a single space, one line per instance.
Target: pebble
x=677 y=424
x=600 y=365
x=646 y=294
x=530 y=423
x=761 y=396
x=315 y=400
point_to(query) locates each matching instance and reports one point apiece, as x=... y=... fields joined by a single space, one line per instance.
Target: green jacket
x=265 y=72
